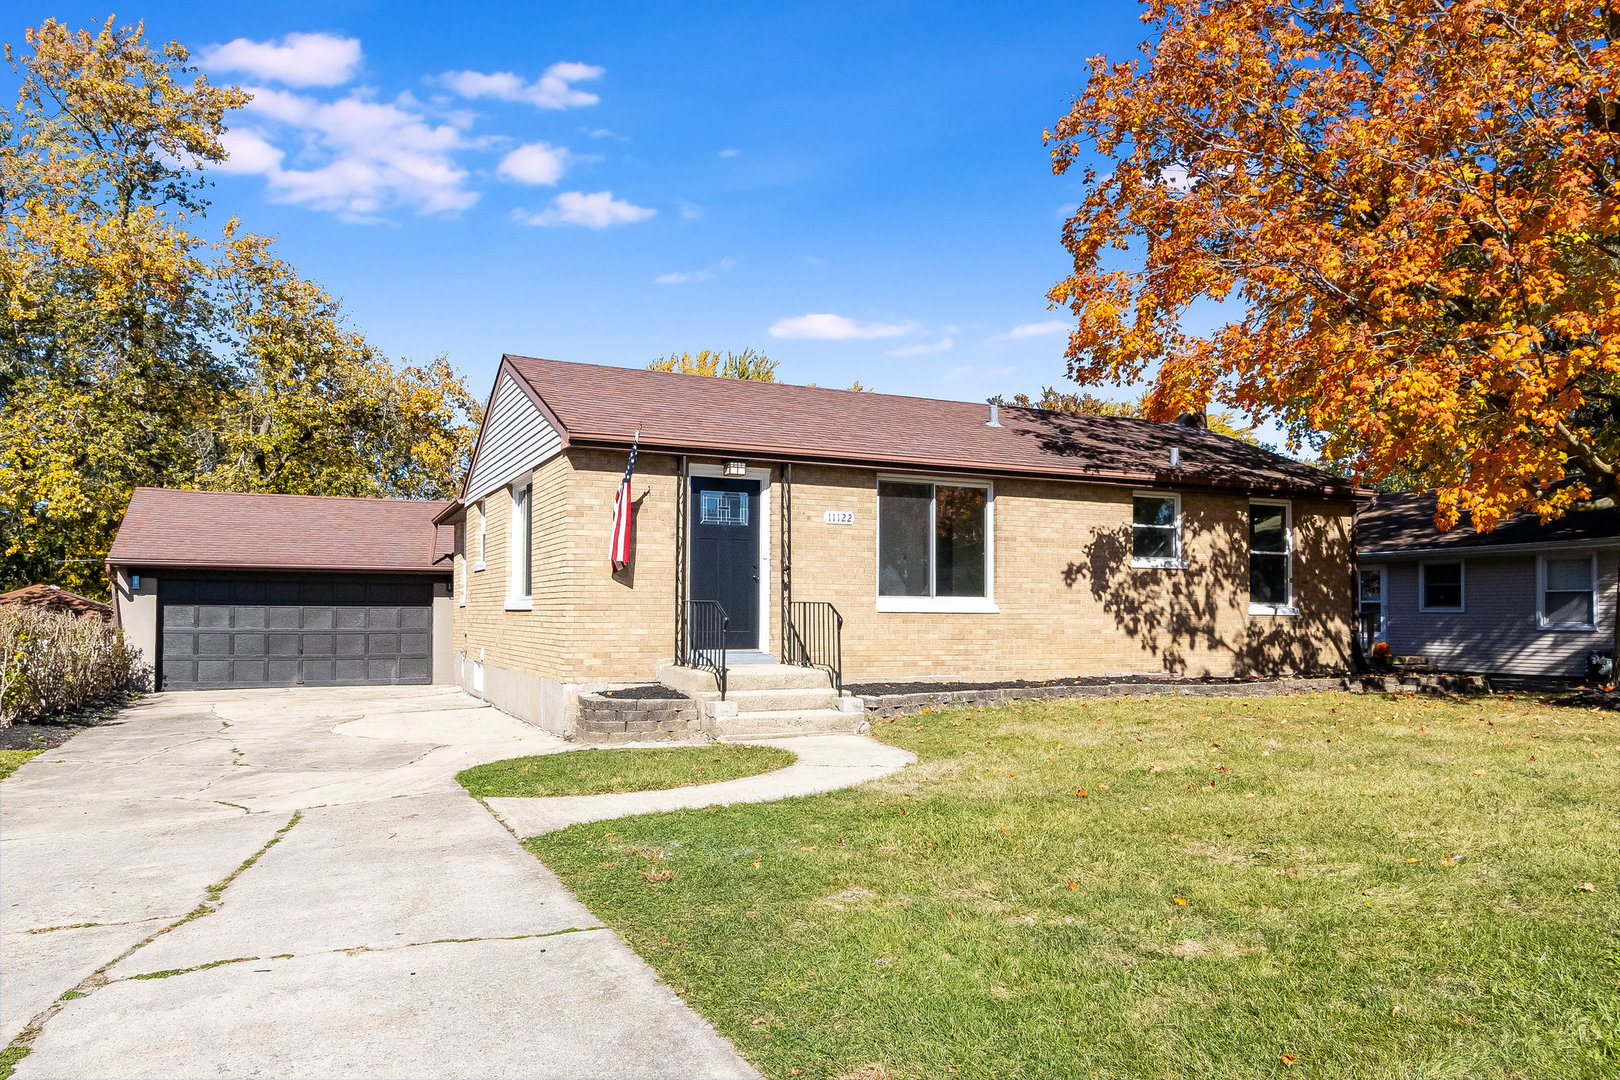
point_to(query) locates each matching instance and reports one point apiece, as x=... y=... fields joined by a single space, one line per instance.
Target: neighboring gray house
x=1523 y=599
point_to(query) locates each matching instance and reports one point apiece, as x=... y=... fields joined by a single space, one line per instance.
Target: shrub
x=52 y=663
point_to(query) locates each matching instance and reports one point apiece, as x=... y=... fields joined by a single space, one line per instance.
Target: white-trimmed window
x=1441 y=585
x=1566 y=592
x=936 y=546
x=1156 y=530
x=466 y=575
x=520 y=540
x=1271 y=558
x=478 y=563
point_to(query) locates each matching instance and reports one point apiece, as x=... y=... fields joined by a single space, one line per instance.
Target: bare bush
x=53 y=663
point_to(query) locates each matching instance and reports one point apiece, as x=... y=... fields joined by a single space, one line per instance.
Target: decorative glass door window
x=723 y=508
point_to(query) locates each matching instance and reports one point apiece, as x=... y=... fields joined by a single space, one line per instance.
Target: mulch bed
x=885 y=688
x=49 y=734
x=650 y=692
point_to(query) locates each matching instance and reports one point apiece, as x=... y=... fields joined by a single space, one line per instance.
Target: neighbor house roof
x=1392 y=524
x=56 y=598
x=595 y=405
x=228 y=530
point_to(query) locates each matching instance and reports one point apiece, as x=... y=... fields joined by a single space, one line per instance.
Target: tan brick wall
x=1069 y=601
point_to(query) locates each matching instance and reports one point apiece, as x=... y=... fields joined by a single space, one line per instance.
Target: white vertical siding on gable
x=517 y=438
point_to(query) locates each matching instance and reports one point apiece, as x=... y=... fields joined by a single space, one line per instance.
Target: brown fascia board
x=159 y=564
x=506 y=367
x=455 y=513
x=1166 y=478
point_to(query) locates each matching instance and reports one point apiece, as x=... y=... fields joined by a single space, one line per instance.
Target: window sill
x=462 y=604
x=477 y=566
x=1158 y=564
x=1566 y=628
x=520 y=603
x=939 y=605
x=1273 y=609
x=1442 y=610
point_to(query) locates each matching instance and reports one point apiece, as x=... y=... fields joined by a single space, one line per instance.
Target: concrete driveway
x=352 y=912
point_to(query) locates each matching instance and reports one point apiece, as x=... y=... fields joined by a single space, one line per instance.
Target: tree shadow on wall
x=1174 y=613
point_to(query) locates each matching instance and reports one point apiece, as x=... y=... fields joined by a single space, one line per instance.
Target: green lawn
x=597 y=772
x=1327 y=885
x=11 y=760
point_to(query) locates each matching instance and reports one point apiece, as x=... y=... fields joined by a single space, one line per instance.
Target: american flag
x=619 y=550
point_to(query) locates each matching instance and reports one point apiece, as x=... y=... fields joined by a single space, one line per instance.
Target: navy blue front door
x=725 y=553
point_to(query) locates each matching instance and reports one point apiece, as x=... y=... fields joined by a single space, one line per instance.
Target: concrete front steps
x=766 y=700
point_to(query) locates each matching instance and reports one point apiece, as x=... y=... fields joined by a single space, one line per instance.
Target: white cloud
x=359 y=157
x=534 y=163
x=828 y=327
x=552 y=90
x=298 y=60
x=730 y=151
x=691 y=276
x=1036 y=329
x=598 y=210
x=919 y=349
x=248 y=152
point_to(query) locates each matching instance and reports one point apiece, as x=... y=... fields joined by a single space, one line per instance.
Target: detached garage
x=219 y=590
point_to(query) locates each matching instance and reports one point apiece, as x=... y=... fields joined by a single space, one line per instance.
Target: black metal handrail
x=705 y=644
x=816 y=639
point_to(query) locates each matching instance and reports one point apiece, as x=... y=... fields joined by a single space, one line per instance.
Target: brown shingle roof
x=600 y=405
x=56 y=598
x=1393 y=523
x=228 y=530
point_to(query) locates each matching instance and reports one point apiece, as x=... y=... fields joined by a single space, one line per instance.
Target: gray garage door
x=325 y=630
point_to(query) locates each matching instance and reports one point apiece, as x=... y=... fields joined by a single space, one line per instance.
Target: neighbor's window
x=933 y=541
x=1569 y=593
x=1271 y=556
x=522 y=532
x=1440 y=586
x=1156 y=530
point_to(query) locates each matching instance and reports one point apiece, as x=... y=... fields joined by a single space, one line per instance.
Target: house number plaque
x=839 y=517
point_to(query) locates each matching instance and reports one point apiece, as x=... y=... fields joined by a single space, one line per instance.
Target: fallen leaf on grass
x=1479 y=772
x=1411 y=860
x=1071 y=886
x=755 y=864
x=1082 y=793
x=1585 y=886
x=1179 y=901
x=1287 y=1059
x=1155 y=768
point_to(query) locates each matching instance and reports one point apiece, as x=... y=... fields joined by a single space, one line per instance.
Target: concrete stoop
x=767 y=700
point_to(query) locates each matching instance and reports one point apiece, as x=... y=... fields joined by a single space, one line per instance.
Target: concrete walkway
x=826 y=763
x=291 y=884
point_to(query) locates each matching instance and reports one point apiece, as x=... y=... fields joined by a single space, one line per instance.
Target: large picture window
x=1271 y=559
x=1156 y=530
x=934 y=546
x=1440 y=586
x=1568 y=593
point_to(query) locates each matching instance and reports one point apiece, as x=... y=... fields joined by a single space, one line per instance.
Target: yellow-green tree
x=135 y=349
x=748 y=364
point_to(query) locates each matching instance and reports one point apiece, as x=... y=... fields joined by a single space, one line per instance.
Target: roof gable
x=516 y=436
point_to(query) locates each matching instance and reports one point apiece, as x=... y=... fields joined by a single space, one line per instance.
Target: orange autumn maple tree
x=1413 y=204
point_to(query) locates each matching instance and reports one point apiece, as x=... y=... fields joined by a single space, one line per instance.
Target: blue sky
x=859 y=190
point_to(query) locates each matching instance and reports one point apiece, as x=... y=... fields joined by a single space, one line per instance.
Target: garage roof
x=233 y=531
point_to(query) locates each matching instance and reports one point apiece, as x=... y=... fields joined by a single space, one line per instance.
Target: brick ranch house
x=860 y=537
x=879 y=537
